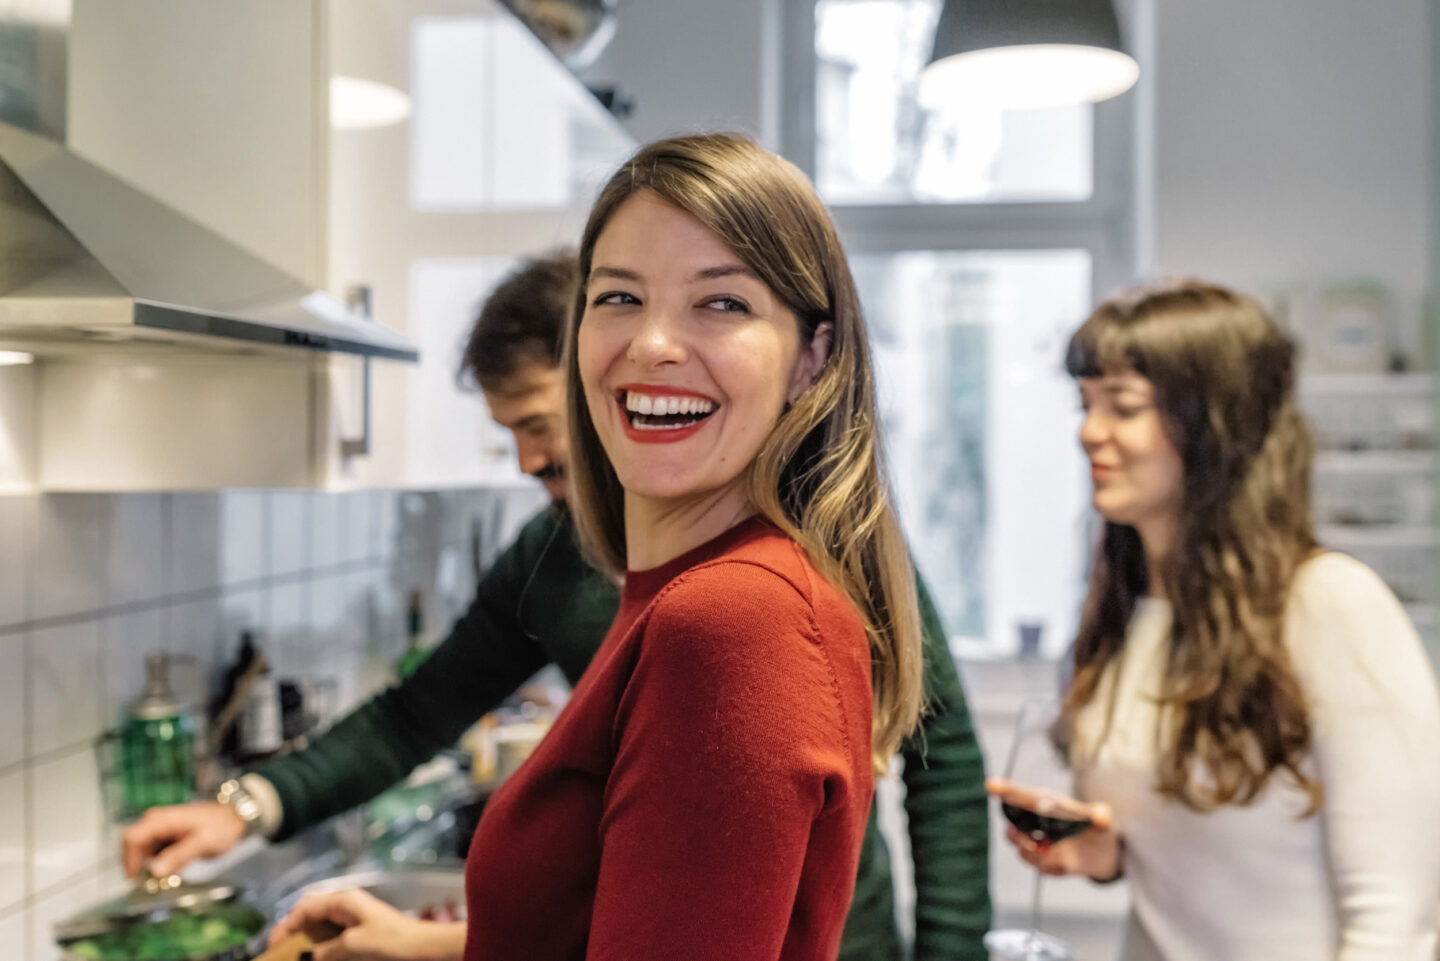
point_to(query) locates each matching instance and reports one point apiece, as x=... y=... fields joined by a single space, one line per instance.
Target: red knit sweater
x=704 y=793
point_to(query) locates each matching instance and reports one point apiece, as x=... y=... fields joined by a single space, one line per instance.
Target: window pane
x=981 y=424
x=875 y=144
x=444 y=431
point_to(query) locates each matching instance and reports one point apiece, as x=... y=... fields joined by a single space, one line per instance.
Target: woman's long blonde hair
x=819 y=476
x=1224 y=382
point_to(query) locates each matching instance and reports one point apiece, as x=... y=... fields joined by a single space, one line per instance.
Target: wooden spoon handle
x=297 y=944
x=290 y=949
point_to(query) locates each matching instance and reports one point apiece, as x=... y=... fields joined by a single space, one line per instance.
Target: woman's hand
x=372 y=930
x=175 y=836
x=1095 y=852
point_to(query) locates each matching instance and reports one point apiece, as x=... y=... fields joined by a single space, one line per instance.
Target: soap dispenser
x=157 y=745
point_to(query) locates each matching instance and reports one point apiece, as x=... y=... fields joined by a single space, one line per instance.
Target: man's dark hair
x=523 y=320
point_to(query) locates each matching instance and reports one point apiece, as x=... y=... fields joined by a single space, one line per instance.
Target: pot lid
x=150 y=896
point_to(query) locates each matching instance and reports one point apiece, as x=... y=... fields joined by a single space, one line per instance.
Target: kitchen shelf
x=1378 y=461
x=1425 y=617
x=1371 y=537
x=1413 y=384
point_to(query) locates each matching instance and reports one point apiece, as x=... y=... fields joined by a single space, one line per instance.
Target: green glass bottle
x=157 y=744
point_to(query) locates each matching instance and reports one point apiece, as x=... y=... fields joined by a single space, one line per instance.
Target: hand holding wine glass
x=1053 y=831
x=1058 y=834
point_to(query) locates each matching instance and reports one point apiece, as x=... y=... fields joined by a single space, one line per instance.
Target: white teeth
x=645 y=404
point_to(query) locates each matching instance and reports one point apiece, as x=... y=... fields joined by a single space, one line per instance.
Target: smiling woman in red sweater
x=705 y=792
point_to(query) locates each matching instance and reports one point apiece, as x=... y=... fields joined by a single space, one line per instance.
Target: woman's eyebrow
x=726 y=270
x=617 y=273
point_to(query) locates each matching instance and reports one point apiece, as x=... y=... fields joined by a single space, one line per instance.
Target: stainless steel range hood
x=86 y=256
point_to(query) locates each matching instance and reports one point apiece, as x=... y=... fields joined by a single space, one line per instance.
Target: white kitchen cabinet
x=219 y=110
x=1377 y=467
x=222 y=111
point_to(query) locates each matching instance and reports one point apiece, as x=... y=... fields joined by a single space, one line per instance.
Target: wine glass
x=1035 y=764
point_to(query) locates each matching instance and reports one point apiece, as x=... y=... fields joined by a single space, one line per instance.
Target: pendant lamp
x=1026 y=54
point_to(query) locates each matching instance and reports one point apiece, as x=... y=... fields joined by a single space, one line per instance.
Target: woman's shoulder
x=767 y=571
x=762 y=585
x=1341 y=614
x=1329 y=578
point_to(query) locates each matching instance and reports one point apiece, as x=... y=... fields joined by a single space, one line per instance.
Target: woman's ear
x=811 y=361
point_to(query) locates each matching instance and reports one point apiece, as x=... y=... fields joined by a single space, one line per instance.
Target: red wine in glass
x=1043 y=828
x=1053 y=817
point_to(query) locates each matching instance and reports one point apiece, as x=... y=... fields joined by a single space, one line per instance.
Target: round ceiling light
x=1026 y=54
x=358 y=104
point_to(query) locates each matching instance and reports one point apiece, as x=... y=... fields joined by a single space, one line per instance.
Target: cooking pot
x=160 y=920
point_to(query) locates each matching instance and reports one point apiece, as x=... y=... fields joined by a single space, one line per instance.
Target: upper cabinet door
x=218 y=109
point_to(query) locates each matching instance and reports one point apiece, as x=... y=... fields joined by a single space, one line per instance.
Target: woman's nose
x=658 y=340
x=1092 y=431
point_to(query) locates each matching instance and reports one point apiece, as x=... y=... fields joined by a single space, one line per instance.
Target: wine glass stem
x=1035 y=907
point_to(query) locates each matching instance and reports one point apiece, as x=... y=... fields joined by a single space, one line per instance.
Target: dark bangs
x=1107 y=342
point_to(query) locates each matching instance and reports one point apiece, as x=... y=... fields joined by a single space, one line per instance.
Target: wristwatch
x=233 y=795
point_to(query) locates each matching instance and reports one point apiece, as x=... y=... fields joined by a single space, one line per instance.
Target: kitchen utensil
x=290 y=949
x=293 y=947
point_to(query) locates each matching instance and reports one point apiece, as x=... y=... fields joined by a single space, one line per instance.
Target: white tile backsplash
x=328 y=605
x=358 y=525
x=14 y=852
x=243 y=536
x=194 y=535
x=64 y=682
x=289 y=639
x=68 y=566
x=125 y=640
x=14 y=932
x=196 y=629
x=65 y=811
x=247 y=610
x=94 y=581
x=388 y=521
x=16 y=512
x=54 y=906
x=327 y=514
x=12 y=699
x=137 y=549
x=289 y=532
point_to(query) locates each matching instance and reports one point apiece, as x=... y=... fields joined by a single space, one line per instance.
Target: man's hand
x=1094 y=852
x=373 y=930
x=175 y=836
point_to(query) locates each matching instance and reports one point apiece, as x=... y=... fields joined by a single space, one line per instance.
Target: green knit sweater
x=540 y=603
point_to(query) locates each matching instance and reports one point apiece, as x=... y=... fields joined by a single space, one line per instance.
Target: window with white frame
x=980 y=238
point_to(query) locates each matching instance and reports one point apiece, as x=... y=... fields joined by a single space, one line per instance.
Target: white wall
x=1293 y=141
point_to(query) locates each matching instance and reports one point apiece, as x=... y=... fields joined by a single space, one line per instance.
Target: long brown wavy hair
x=820 y=475
x=1224 y=379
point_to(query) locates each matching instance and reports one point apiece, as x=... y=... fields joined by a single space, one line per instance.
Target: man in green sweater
x=540 y=603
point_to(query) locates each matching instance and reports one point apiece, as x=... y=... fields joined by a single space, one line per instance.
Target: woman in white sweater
x=1251 y=720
